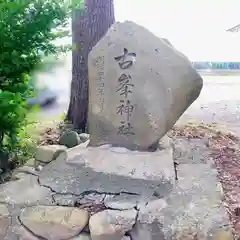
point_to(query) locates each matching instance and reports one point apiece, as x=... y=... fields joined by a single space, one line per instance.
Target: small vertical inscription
x=125 y=88
x=100 y=84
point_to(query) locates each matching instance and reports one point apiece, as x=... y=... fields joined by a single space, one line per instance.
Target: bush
x=26 y=34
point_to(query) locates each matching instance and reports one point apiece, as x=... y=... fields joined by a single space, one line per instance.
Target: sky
x=195 y=27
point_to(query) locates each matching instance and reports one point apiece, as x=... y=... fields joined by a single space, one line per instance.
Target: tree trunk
x=88 y=28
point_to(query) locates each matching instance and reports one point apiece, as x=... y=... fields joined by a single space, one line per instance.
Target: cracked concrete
x=94 y=171
x=58 y=203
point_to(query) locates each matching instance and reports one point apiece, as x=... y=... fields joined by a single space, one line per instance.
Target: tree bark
x=88 y=28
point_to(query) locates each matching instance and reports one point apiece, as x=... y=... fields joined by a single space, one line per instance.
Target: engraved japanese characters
x=139 y=86
x=124 y=88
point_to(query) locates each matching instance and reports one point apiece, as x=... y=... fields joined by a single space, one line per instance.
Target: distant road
x=219 y=72
x=219 y=102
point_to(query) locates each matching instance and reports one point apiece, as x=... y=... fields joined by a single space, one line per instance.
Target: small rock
x=53 y=222
x=49 y=153
x=26 y=190
x=84 y=137
x=111 y=224
x=39 y=168
x=70 y=139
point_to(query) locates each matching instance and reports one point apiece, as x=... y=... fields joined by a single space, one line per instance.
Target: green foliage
x=27 y=31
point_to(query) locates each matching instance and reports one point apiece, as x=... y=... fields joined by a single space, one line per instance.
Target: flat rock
x=53 y=222
x=111 y=224
x=47 y=153
x=112 y=170
x=5 y=220
x=139 y=86
x=194 y=208
x=26 y=190
x=165 y=142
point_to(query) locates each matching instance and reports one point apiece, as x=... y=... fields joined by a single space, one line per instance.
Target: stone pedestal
x=117 y=170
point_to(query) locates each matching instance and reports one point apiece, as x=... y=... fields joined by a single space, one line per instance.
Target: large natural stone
x=84 y=137
x=112 y=170
x=111 y=224
x=48 y=153
x=139 y=85
x=53 y=222
x=70 y=139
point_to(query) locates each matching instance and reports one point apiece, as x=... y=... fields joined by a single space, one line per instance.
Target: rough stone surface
x=165 y=142
x=111 y=224
x=194 y=208
x=70 y=139
x=26 y=190
x=84 y=137
x=47 y=153
x=5 y=220
x=159 y=86
x=54 y=222
x=112 y=170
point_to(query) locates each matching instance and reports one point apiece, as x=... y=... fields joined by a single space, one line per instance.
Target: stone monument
x=116 y=188
x=139 y=86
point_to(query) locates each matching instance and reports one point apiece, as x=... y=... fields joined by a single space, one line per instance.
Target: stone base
x=115 y=170
x=94 y=194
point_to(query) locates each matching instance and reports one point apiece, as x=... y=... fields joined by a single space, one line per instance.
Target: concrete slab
x=112 y=170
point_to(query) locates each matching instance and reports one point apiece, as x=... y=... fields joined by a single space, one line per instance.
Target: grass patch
x=38 y=131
